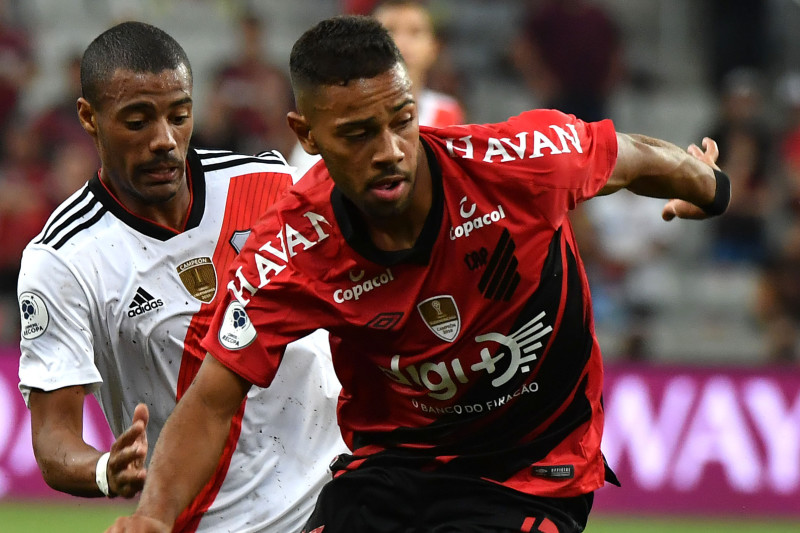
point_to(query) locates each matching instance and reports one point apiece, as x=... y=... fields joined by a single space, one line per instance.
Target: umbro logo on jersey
x=143 y=302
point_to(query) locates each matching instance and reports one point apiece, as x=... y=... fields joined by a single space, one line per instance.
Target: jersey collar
x=197 y=188
x=353 y=231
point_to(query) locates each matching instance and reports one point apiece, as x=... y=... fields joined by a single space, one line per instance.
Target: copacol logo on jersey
x=236 y=331
x=34 y=315
x=440 y=314
x=357 y=290
x=476 y=223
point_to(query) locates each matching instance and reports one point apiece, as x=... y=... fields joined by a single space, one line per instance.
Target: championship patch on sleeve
x=34 y=315
x=236 y=331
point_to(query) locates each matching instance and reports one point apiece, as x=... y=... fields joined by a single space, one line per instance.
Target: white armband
x=101 y=474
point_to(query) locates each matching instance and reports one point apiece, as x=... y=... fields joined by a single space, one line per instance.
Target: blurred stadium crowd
x=722 y=292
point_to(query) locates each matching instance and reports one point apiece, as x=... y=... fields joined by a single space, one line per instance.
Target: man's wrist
x=722 y=195
x=101 y=474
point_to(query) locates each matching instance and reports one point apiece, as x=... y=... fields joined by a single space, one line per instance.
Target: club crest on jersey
x=199 y=277
x=236 y=331
x=238 y=239
x=440 y=314
x=33 y=312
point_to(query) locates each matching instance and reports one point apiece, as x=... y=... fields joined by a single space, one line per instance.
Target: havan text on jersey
x=504 y=149
x=273 y=259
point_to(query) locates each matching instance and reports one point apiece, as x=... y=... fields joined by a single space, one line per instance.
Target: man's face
x=412 y=31
x=142 y=126
x=368 y=135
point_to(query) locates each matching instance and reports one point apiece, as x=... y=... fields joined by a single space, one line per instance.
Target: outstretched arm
x=652 y=167
x=188 y=448
x=68 y=463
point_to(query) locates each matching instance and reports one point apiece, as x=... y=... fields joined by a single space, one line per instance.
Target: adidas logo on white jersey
x=143 y=302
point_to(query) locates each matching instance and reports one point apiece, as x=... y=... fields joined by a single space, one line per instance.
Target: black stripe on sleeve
x=63 y=213
x=90 y=222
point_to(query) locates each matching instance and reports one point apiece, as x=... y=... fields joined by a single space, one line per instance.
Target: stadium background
x=704 y=425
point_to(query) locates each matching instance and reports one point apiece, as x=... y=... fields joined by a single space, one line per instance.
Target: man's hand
x=681 y=208
x=126 y=471
x=138 y=524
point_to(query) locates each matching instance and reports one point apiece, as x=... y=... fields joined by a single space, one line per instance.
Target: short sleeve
x=56 y=342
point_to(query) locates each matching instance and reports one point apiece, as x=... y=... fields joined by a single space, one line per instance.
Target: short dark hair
x=133 y=46
x=340 y=49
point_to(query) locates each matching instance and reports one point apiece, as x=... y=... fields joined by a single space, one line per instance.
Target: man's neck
x=171 y=214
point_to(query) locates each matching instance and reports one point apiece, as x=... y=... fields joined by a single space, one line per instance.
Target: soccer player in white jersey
x=118 y=288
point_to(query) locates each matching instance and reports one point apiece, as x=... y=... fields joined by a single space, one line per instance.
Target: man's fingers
x=712 y=150
x=126 y=471
x=129 y=455
x=141 y=413
x=682 y=209
x=130 y=483
x=668 y=213
x=136 y=432
x=709 y=154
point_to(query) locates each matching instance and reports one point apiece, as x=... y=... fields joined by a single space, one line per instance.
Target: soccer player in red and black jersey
x=444 y=265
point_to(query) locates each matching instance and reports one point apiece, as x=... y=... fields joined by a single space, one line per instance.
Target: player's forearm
x=656 y=168
x=184 y=459
x=67 y=464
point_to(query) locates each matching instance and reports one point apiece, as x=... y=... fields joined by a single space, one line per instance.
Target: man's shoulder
x=219 y=164
x=78 y=219
x=300 y=230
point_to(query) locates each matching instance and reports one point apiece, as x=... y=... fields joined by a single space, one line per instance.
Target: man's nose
x=389 y=150
x=163 y=138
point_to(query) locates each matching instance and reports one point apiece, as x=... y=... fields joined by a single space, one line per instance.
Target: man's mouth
x=387 y=184
x=390 y=188
x=161 y=173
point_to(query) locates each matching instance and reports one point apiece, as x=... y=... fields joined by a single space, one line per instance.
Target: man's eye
x=134 y=124
x=404 y=123
x=357 y=135
x=180 y=119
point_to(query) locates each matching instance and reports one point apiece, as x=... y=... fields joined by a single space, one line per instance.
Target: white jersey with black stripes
x=117 y=304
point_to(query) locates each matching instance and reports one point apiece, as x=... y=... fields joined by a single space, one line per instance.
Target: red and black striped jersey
x=472 y=352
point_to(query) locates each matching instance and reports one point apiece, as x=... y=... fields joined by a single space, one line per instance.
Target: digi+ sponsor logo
x=476 y=222
x=513 y=354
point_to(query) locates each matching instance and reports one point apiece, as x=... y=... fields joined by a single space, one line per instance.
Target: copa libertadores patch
x=34 y=315
x=236 y=331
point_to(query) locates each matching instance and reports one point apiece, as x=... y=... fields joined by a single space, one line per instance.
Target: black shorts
x=389 y=500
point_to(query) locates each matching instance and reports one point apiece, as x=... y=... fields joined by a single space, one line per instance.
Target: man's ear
x=86 y=116
x=300 y=127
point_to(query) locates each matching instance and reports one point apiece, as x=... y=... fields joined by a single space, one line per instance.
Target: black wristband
x=722 y=195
